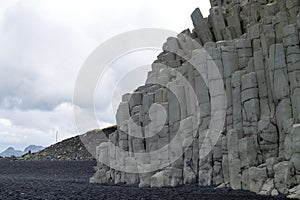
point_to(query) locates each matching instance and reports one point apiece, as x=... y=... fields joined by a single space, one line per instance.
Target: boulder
x=257 y=178
x=168 y=177
x=283 y=176
x=268 y=187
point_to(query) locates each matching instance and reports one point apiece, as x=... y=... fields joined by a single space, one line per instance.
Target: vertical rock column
x=250 y=104
x=280 y=21
x=280 y=90
x=237 y=102
x=259 y=66
x=268 y=35
x=189 y=125
x=233 y=21
x=244 y=49
x=230 y=63
x=199 y=61
x=122 y=118
x=215 y=69
x=218 y=24
x=201 y=27
x=291 y=43
x=234 y=162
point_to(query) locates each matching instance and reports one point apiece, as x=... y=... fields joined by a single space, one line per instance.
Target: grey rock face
x=201 y=27
x=257 y=177
x=243 y=60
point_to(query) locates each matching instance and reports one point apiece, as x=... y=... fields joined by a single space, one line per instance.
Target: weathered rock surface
x=244 y=61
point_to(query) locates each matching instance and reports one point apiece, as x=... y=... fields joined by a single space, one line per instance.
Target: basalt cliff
x=221 y=105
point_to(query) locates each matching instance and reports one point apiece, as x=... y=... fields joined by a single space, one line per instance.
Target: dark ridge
x=71 y=148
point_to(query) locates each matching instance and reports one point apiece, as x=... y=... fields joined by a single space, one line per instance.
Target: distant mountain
x=33 y=149
x=72 y=148
x=10 y=151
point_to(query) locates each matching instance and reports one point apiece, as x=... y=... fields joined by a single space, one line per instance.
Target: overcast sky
x=45 y=42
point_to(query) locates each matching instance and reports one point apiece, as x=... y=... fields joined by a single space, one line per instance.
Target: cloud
x=5 y=122
x=20 y=128
x=41 y=58
x=46 y=42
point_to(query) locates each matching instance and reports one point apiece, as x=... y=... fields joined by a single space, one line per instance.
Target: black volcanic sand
x=69 y=180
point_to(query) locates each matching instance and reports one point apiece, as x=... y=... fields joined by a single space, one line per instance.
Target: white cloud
x=5 y=122
x=36 y=126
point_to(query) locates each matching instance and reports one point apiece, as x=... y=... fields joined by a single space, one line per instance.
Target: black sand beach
x=69 y=180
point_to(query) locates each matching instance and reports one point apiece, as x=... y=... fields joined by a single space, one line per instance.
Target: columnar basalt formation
x=254 y=44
